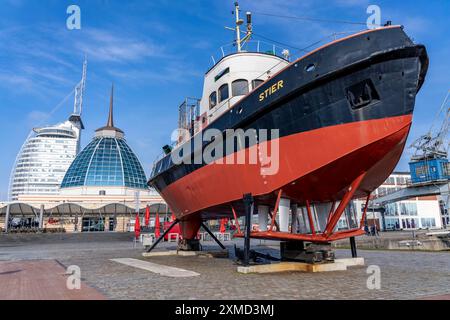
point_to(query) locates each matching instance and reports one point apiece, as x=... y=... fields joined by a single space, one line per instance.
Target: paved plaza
x=404 y=275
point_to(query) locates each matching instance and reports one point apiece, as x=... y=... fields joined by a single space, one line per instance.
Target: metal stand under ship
x=342 y=112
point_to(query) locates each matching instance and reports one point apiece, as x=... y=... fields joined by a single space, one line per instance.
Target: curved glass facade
x=43 y=160
x=106 y=161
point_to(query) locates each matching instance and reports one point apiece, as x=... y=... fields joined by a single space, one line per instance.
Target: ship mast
x=239 y=22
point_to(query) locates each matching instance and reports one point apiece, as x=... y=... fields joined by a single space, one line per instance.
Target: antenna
x=79 y=91
x=238 y=23
x=237 y=29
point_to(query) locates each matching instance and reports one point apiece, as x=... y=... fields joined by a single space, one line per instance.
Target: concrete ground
x=403 y=275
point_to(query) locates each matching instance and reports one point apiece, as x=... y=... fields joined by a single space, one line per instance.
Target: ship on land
x=339 y=116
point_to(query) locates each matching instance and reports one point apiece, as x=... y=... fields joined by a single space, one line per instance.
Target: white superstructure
x=232 y=77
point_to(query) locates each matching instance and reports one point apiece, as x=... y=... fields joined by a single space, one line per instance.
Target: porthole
x=310 y=67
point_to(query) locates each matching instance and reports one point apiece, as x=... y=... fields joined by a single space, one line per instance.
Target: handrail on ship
x=260 y=46
x=251 y=46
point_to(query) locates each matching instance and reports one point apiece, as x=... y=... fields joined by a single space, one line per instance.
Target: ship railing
x=287 y=52
x=224 y=106
x=159 y=157
x=188 y=112
x=255 y=46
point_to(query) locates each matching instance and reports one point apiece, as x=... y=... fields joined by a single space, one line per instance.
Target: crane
x=429 y=162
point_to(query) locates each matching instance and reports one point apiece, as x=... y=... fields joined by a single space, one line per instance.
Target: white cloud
x=352 y=3
x=37 y=116
x=11 y=80
x=168 y=73
x=112 y=47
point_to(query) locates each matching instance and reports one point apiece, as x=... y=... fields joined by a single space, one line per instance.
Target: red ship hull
x=308 y=170
x=342 y=131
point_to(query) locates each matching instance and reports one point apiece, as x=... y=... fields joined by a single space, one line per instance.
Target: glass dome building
x=106 y=162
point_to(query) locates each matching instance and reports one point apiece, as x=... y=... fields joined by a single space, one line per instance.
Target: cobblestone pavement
x=404 y=275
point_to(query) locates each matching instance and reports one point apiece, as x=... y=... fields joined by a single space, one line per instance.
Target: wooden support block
x=209 y=254
x=214 y=254
x=351 y=262
x=160 y=253
x=293 y=266
x=187 y=253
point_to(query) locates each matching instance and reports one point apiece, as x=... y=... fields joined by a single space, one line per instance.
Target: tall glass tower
x=44 y=159
x=47 y=153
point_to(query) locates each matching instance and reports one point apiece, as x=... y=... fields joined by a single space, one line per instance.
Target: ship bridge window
x=256 y=83
x=221 y=74
x=239 y=87
x=310 y=67
x=223 y=92
x=212 y=100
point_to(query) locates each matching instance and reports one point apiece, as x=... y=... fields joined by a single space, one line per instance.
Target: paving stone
x=404 y=275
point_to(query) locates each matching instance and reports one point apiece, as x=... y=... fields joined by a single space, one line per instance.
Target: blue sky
x=156 y=53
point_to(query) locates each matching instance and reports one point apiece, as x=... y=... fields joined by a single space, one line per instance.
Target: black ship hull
x=341 y=110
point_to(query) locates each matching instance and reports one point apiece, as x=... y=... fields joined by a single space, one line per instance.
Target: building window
x=392 y=223
x=446 y=168
x=221 y=74
x=401 y=180
x=428 y=222
x=239 y=87
x=223 y=92
x=408 y=223
x=408 y=208
x=92 y=224
x=391 y=209
x=212 y=100
x=390 y=180
x=256 y=83
x=382 y=191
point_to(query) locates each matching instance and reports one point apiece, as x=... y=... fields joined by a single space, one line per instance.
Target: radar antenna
x=240 y=42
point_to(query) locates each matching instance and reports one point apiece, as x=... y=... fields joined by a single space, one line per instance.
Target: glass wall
x=42 y=162
x=392 y=223
x=428 y=222
x=92 y=224
x=391 y=210
x=408 y=208
x=410 y=223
